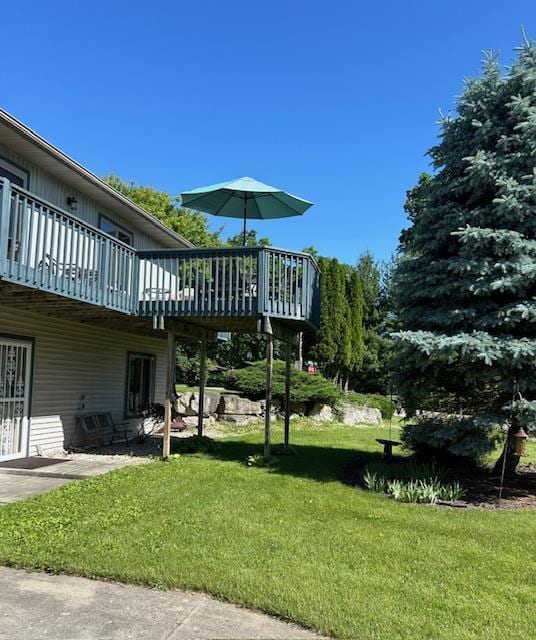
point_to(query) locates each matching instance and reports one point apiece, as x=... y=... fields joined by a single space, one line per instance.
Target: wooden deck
x=52 y=260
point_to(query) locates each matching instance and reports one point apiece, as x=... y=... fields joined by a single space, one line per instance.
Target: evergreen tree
x=467 y=277
x=355 y=323
x=414 y=205
x=373 y=373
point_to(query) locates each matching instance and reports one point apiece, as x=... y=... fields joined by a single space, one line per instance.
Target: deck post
x=5 y=206
x=202 y=382
x=288 y=354
x=170 y=381
x=300 y=350
x=269 y=381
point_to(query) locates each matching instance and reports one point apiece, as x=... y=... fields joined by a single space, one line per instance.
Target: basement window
x=140 y=383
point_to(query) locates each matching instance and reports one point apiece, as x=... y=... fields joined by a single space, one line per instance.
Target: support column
x=202 y=383
x=170 y=382
x=269 y=380
x=300 y=351
x=287 y=394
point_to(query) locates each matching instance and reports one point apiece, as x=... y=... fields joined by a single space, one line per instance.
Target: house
x=94 y=290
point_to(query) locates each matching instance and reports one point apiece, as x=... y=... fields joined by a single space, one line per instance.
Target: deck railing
x=248 y=281
x=44 y=247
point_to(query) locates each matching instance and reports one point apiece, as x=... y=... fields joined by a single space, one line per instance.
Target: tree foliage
x=373 y=373
x=190 y=224
x=251 y=240
x=251 y=381
x=467 y=275
x=339 y=344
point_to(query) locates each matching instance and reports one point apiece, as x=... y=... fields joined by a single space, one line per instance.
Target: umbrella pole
x=245 y=217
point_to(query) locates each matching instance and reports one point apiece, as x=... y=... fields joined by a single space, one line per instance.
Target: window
x=15 y=174
x=140 y=382
x=115 y=230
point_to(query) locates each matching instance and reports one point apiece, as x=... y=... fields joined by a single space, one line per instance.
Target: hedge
x=305 y=387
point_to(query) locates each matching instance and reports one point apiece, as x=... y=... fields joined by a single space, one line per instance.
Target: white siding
x=49 y=188
x=72 y=360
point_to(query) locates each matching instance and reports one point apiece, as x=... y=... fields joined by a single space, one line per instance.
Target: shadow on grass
x=318 y=463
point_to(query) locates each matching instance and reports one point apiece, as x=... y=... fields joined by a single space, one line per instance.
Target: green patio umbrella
x=245 y=198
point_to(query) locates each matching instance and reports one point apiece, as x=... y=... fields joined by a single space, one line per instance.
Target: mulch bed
x=483 y=490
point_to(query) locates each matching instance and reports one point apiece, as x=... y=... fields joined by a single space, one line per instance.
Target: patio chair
x=67 y=270
x=98 y=425
x=157 y=294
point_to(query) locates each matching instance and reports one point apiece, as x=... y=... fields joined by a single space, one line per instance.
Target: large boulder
x=321 y=412
x=235 y=405
x=191 y=422
x=276 y=407
x=182 y=403
x=210 y=406
x=353 y=415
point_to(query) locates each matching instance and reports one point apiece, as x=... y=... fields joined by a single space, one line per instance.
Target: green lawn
x=293 y=541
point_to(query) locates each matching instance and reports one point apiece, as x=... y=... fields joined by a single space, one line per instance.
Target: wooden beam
x=170 y=381
x=269 y=384
x=288 y=354
x=202 y=382
x=278 y=329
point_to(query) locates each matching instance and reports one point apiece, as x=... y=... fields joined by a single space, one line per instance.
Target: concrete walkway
x=38 y=605
x=16 y=484
x=17 y=487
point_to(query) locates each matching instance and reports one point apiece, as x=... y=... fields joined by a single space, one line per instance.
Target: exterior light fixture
x=72 y=203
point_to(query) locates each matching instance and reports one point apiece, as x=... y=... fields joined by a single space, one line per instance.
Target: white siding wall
x=72 y=360
x=47 y=187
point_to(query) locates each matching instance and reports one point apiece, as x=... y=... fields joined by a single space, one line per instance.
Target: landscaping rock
x=191 y=422
x=322 y=413
x=240 y=419
x=353 y=415
x=212 y=401
x=182 y=403
x=234 y=406
x=276 y=409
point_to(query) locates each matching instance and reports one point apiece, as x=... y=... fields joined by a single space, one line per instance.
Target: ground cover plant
x=410 y=481
x=290 y=539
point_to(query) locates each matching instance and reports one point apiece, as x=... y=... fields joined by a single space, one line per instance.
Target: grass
x=291 y=540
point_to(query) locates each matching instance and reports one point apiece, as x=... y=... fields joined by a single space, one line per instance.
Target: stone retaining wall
x=234 y=409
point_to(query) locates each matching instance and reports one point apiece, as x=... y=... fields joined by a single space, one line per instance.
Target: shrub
x=258 y=460
x=451 y=438
x=304 y=387
x=374 y=401
x=411 y=482
x=193 y=444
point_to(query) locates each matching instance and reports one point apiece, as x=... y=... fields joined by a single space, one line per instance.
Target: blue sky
x=334 y=101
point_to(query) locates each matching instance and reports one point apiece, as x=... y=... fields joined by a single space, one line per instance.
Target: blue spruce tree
x=467 y=277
